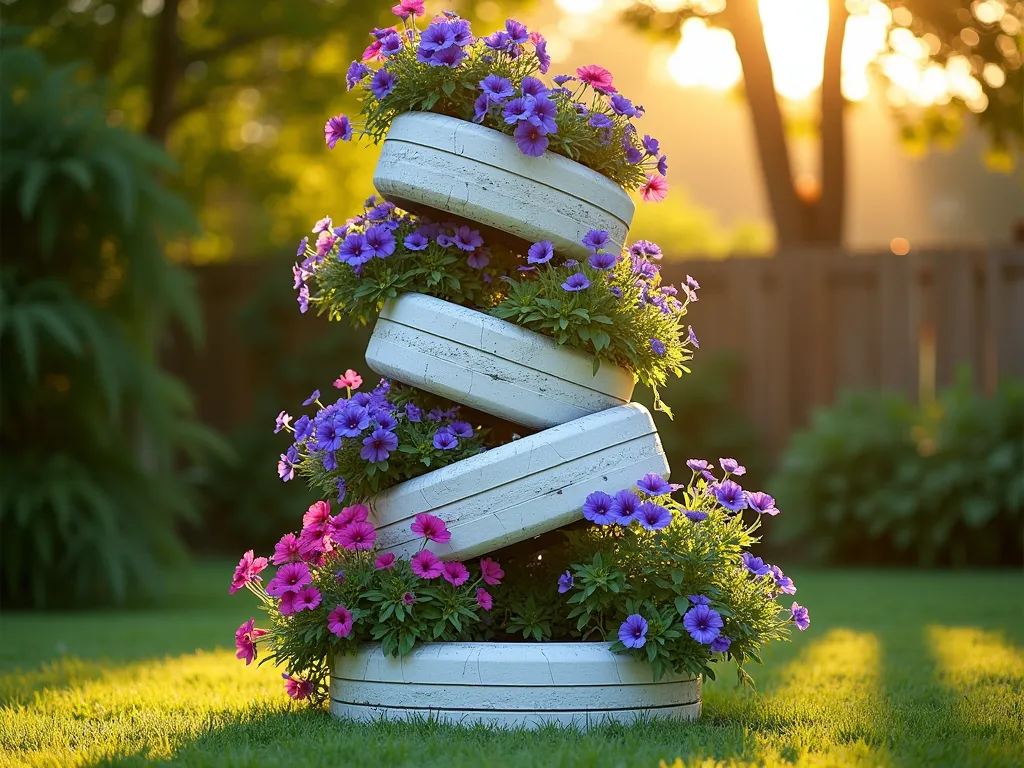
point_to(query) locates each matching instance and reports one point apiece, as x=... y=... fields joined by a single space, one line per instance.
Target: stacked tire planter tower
x=590 y=437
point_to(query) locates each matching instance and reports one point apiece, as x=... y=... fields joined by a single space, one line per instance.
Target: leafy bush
x=669 y=582
x=877 y=480
x=89 y=496
x=492 y=80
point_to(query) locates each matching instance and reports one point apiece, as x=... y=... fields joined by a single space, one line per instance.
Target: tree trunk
x=166 y=72
x=744 y=20
x=830 y=211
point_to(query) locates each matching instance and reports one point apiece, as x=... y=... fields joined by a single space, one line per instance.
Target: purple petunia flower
x=695 y=515
x=390 y=44
x=497 y=41
x=543 y=57
x=436 y=37
x=563 y=79
x=413 y=413
x=653 y=484
x=697 y=465
x=380 y=242
x=480 y=107
x=651 y=145
x=653 y=517
x=693 y=338
x=761 y=503
x=461 y=429
x=782 y=581
x=730 y=496
x=497 y=88
x=378 y=446
x=624 y=507
x=467 y=239
x=357 y=72
x=720 y=644
x=385 y=420
x=801 y=616
x=543 y=116
x=312 y=398
x=479 y=259
x=663 y=165
x=570 y=263
x=351 y=422
x=303 y=427
x=698 y=599
x=341 y=489
x=354 y=250
x=633 y=632
x=531 y=86
x=732 y=467
x=517 y=31
x=565 y=582
x=602 y=261
x=599 y=120
x=286 y=466
x=540 y=253
x=576 y=282
x=755 y=565
x=519 y=109
x=596 y=239
x=703 y=623
x=444 y=440
x=597 y=508
x=449 y=57
x=416 y=241
x=622 y=106
x=383 y=83
x=615 y=291
x=338 y=128
x=530 y=139
x=658 y=347
x=633 y=155
x=282 y=421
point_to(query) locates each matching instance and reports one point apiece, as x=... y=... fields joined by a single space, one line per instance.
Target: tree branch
x=166 y=72
x=831 y=208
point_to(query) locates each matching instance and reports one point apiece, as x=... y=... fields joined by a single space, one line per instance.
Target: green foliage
x=878 y=480
x=455 y=90
x=91 y=426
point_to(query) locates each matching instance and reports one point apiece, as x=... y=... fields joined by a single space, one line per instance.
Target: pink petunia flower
x=349 y=380
x=491 y=572
x=357 y=513
x=297 y=689
x=337 y=128
x=245 y=641
x=407 y=8
x=247 y=571
x=340 y=621
x=373 y=52
x=655 y=189
x=599 y=78
x=311 y=545
x=431 y=528
x=484 y=599
x=426 y=564
x=317 y=516
x=385 y=561
x=408 y=598
x=290 y=577
x=357 y=536
x=286 y=550
x=306 y=599
x=455 y=573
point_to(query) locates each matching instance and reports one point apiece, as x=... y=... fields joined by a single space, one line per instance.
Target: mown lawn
x=897 y=669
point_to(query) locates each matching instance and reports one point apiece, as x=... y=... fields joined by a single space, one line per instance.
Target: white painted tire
x=525 y=685
x=524 y=488
x=477 y=173
x=490 y=364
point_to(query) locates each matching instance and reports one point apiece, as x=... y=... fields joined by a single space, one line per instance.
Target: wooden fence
x=806 y=326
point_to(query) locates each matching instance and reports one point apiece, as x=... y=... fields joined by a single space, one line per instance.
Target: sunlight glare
x=580 y=7
x=706 y=56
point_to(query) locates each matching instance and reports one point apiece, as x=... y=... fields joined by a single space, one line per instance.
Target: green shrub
x=877 y=480
x=90 y=426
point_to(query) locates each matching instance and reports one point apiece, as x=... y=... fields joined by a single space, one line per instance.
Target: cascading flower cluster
x=333 y=589
x=493 y=81
x=611 y=305
x=674 y=582
x=365 y=442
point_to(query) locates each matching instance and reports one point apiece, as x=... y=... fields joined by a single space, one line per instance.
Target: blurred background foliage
x=91 y=488
x=877 y=480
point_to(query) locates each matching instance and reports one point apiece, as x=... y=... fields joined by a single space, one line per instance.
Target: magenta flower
x=801 y=616
x=409 y=598
x=306 y=599
x=290 y=577
x=357 y=536
x=655 y=189
x=385 y=562
x=340 y=621
x=576 y=282
x=286 y=550
x=633 y=631
x=297 y=689
x=426 y=564
x=357 y=513
x=431 y=528
x=247 y=571
x=317 y=516
x=348 y=380
x=407 y=8
x=245 y=641
x=530 y=139
x=484 y=599
x=491 y=572
x=339 y=127
x=598 y=78
x=455 y=573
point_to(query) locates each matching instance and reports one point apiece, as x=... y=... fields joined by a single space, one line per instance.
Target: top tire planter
x=432 y=161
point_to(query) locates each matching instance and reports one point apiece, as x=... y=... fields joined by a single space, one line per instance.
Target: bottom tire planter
x=523 y=488
x=508 y=684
